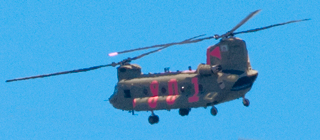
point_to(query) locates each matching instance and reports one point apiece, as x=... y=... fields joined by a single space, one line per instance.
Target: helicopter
x=227 y=75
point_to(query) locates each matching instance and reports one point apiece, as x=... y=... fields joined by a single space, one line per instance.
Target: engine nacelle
x=207 y=70
x=204 y=70
x=128 y=71
x=216 y=68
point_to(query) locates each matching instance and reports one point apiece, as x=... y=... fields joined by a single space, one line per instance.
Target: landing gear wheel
x=153 y=119
x=214 y=111
x=246 y=102
x=184 y=111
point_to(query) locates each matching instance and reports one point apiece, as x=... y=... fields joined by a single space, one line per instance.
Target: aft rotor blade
x=267 y=27
x=63 y=72
x=154 y=46
x=239 y=24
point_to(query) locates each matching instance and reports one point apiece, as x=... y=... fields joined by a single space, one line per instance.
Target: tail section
x=231 y=54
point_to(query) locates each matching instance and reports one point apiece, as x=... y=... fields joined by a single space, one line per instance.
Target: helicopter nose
x=112 y=99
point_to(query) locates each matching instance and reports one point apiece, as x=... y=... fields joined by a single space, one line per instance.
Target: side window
x=127 y=93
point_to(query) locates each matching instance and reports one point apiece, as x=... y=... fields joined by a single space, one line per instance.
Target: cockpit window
x=115 y=89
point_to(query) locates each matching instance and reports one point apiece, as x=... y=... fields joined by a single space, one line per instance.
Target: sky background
x=39 y=37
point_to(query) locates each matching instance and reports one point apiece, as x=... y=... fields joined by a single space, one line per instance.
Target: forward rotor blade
x=168 y=45
x=63 y=72
x=137 y=49
x=188 y=41
x=267 y=27
x=239 y=24
x=154 y=46
x=145 y=54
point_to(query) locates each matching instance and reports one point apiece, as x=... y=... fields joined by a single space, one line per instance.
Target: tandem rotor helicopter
x=227 y=75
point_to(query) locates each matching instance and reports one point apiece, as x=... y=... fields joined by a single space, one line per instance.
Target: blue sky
x=39 y=37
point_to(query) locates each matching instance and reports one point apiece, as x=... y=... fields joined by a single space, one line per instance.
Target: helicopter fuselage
x=226 y=76
x=188 y=89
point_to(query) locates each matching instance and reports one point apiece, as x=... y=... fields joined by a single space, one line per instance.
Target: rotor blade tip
x=257 y=11
x=113 y=54
x=7 y=81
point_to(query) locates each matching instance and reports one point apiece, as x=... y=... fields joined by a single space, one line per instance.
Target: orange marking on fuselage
x=171 y=99
x=154 y=88
x=134 y=102
x=173 y=87
x=152 y=101
x=215 y=53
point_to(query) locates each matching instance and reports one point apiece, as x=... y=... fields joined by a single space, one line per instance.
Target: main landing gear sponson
x=245 y=102
x=184 y=111
x=153 y=118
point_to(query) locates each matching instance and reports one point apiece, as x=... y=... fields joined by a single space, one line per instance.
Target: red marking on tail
x=208 y=56
x=215 y=53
